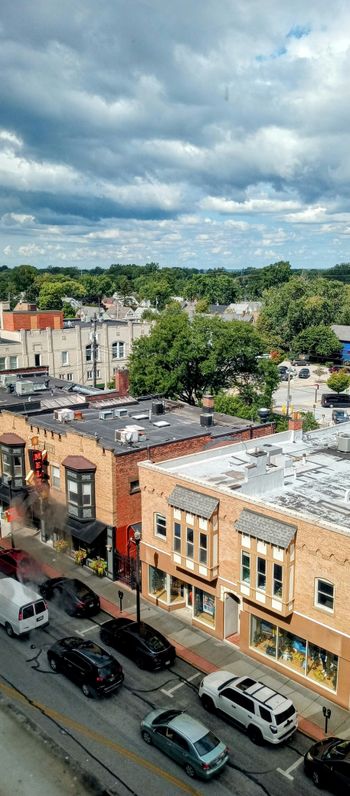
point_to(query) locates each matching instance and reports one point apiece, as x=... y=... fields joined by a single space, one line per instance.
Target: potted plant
x=80 y=556
x=99 y=566
x=61 y=546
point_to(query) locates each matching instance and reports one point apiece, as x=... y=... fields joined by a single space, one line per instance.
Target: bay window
x=80 y=487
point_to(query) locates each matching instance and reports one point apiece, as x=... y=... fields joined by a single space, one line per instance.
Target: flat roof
x=155 y=429
x=298 y=474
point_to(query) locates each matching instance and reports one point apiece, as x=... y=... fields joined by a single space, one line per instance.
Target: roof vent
x=343 y=443
x=120 y=412
x=158 y=408
x=105 y=414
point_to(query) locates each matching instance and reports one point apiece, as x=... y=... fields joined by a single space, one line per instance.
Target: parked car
x=145 y=645
x=304 y=373
x=18 y=564
x=340 y=416
x=328 y=764
x=263 y=712
x=186 y=740
x=88 y=665
x=21 y=608
x=72 y=595
x=284 y=376
x=300 y=362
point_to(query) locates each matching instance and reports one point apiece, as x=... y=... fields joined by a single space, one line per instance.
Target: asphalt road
x=305 y=395
x=104 y=735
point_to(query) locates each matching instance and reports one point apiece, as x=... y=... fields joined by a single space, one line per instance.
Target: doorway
x=231 y=614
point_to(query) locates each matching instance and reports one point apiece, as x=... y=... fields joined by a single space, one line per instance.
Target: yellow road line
x=101 y=739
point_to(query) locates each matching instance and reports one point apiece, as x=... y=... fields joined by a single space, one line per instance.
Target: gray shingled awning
x=193 y=502
x=266 y=528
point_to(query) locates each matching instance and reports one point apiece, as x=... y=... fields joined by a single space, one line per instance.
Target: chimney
x=208 y=403
x=295 y=424
x=122 y=382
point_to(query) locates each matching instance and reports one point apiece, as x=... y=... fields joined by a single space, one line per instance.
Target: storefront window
x=294 y=652
x=177 y=590
x=204 y=607
x=158 y=583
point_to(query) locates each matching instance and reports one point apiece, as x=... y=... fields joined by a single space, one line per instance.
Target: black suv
x=88 y=665
x=146 y=646
x=72 y=595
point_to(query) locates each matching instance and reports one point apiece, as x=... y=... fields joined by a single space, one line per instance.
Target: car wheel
x=317 y=780
x=147 y=737
x=190 y=770
x=208 y=703
x=53 y=663
x=9 y=630
x=254 y=734
x=86 y=690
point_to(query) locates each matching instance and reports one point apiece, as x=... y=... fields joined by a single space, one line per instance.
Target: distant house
x=343 y=335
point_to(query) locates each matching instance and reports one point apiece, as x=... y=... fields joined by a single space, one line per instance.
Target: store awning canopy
x=86 y=532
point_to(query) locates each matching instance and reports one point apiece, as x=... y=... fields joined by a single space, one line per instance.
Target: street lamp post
x=10 y=500
x=137 y=540
x=288 y=394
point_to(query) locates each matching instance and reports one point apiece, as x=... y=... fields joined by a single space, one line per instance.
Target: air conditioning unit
x=120 y=435
x=120 y=412
x=63 y=415
x=24 y=387
x=105 y=414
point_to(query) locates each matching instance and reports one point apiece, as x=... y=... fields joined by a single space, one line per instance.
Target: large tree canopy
x=318 y=341
x=184 y=359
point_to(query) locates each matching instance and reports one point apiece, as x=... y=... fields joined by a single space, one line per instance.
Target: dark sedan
x=146 y=646
x=72 y=595
x=304 y=373
x=328 y=764
x=88 y=665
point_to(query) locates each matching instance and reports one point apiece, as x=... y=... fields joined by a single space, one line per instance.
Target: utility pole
x=288 y=394
x=94 y=350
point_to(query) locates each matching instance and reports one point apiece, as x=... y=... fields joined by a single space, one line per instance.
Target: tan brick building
x=252 y=542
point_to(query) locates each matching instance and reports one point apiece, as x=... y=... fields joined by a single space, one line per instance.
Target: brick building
x=93 y=493
x=252 y=542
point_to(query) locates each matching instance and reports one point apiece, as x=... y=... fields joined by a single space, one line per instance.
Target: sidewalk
x=192 y=645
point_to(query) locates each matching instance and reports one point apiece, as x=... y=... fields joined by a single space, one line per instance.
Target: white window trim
x=316 y=603
x=159 y=535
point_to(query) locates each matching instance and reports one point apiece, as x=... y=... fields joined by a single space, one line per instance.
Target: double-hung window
x=203 y=548
x=277 y=580
x=12 y=465
x=261 y=573
x=177 y=537
x=245 y=576
x=189 y=543
x=324 y=594
x=55 y=476
x=160 y=525
x=81 y=494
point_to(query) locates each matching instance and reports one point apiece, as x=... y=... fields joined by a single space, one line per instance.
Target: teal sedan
x=185 y=740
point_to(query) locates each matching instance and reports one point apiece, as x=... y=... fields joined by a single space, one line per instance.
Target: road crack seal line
x=250 y=775
x=63 y=722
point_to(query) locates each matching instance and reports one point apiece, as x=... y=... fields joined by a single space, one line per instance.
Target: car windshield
x=339 y=751
x=285 y=714
x=206 y=744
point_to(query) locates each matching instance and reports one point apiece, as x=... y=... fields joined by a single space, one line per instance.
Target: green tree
x=309 y=421
x=202 y=305
x=52 y=292
x=339 y=381
x=184 y=359
x=318 y=341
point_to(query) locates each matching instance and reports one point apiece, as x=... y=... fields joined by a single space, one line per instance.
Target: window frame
x=318 y=591
x=277 y=592
x=189 y=543
x=79 y=508
x=158 y=523
x=203 y=550
x=117 y=347
x=177 y=537
x=260 y=574
x=8 y=473
x=245 y=567
x=53 y=484
x=64 y=358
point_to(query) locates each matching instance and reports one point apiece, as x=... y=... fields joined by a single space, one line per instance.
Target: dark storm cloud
x=173 y=113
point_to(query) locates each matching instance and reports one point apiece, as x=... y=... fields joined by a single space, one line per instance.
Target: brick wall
x=15 y=321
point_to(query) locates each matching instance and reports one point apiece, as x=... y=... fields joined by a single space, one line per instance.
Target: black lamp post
x=137 y=540
x=10 y=501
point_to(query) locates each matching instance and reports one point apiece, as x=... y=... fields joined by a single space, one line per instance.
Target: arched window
x=118 y=350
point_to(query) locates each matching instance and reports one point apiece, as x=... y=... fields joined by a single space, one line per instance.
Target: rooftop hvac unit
x=343 y=443
x=120 y=412
x=63 y=415
x=105 y=414
x=125 y=436
x=157 y=408
x=24 y=387
x=8 y=378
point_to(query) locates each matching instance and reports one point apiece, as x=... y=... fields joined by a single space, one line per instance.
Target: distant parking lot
x=305 y=394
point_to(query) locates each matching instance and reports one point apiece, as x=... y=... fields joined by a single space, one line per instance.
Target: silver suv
x=264 y=713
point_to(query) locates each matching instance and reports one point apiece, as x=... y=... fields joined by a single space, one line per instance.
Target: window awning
x=86 y=532
x=193 y=502
x=267 y=529
x=78 y=463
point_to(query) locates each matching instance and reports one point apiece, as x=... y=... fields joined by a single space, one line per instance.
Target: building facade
x=253 y=544
x=68 y=353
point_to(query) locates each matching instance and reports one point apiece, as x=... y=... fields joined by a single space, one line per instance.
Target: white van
x=21 y=608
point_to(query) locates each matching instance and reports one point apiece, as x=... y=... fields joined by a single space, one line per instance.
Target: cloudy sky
x=207 y=133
